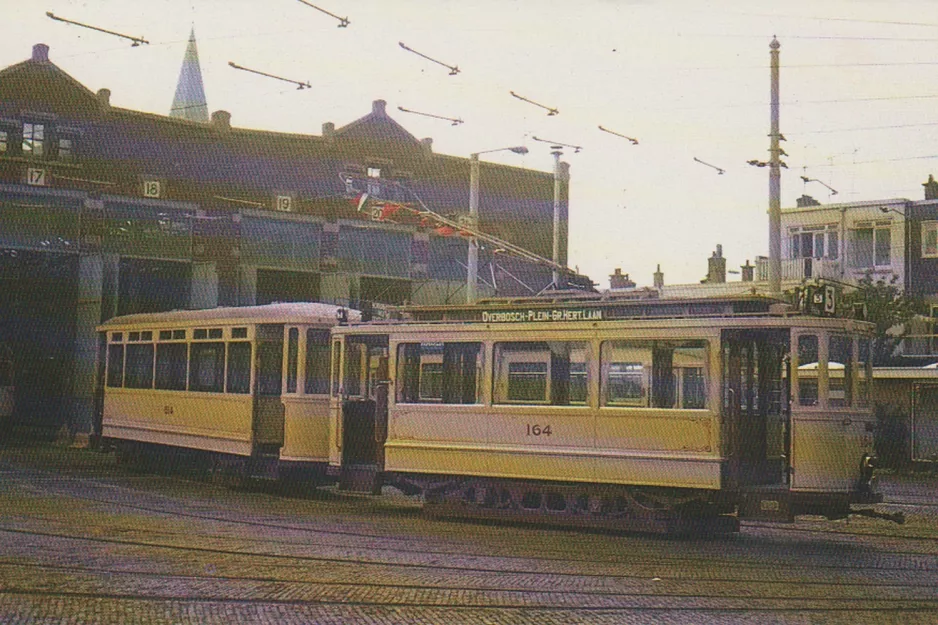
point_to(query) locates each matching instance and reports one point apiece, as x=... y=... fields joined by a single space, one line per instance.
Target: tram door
x=364 y=410
x=268 y=408
x=755 y=404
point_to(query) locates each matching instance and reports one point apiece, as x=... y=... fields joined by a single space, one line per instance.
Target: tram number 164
x=538 y=430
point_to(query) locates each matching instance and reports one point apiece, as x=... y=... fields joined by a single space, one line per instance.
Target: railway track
x=237 y=552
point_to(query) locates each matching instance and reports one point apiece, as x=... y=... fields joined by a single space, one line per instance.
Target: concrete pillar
x=88 y=309
x=204 y=289
x=247 y=285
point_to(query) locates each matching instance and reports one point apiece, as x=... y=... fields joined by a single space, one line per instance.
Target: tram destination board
x=517 y=316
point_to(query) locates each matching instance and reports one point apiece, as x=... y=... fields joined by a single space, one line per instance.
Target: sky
x=689 y=80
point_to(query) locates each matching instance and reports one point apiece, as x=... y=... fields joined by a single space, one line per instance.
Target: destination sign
x=517 y=316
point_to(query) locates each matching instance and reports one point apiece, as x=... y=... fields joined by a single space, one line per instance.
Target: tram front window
x=840 y=371
x=808 y=370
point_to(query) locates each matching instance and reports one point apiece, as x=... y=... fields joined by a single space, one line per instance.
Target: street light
x=821 y=182
x=472 y=277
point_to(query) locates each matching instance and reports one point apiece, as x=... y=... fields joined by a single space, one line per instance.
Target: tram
x=639 y=414
x=242 y=390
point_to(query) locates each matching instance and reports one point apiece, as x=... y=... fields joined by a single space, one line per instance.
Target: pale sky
x=687 y=79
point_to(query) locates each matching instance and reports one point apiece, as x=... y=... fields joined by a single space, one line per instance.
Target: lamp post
x=472 y=277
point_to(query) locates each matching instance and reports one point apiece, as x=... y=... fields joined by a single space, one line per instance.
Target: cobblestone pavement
x=83 y=541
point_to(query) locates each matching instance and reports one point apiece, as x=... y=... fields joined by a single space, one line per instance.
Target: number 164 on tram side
x=662 y=415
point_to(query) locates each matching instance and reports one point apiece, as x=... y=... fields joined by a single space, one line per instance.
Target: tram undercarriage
x=599 y=506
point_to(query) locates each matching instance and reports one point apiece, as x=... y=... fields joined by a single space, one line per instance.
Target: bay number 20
x=538 y=430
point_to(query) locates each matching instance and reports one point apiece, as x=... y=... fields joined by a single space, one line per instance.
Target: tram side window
x=207 y=367
x=239 y=367
x=139 y=367
x=171 y=366
x=317 y=362
x=335 y=371
x=445 y=373
x=808 y=370
x=115 y=365
x=542 y=372
x=293 y=341
x=840 y=371
x=656 y=374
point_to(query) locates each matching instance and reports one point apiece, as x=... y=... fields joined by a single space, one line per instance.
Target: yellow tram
x=667 y=415
x=244 y=388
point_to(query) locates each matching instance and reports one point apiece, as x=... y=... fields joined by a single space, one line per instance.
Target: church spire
x=189 y=102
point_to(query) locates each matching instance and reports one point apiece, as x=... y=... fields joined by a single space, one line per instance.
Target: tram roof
x=610 y=305
x=298 y=312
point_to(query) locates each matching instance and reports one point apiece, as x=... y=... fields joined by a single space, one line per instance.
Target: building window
x=33 y=138
x=4 y=141
x=817 y=243
x=66 y=153
x=872 y=246
x=929 y=239
x=374 y=172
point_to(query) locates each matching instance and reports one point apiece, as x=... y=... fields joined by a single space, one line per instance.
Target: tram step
x=360 y=478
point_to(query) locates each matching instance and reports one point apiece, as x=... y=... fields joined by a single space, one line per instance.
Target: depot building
x=107 y=211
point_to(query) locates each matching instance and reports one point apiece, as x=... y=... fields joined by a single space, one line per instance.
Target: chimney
x=328 y=129
x=221 y=120
x=806 y=200
x=748 y=271
x=378 y=108
x=716 y=266
x=618 y=280
x=104 y=97
x=427 y=145
x=40 y=53
x=658 y=278
x=762 y=268
x=931 y=188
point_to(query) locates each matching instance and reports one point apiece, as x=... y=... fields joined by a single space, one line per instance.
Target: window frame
x=446 y=365
x=930 y=226
x=878 y=230
x=672 y=389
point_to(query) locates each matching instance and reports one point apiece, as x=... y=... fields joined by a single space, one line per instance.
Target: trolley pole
x=556 y=251
x=775 y=181
x=472 y=263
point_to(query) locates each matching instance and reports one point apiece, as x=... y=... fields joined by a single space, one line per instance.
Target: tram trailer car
x=652 y=415
x=241 y=391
